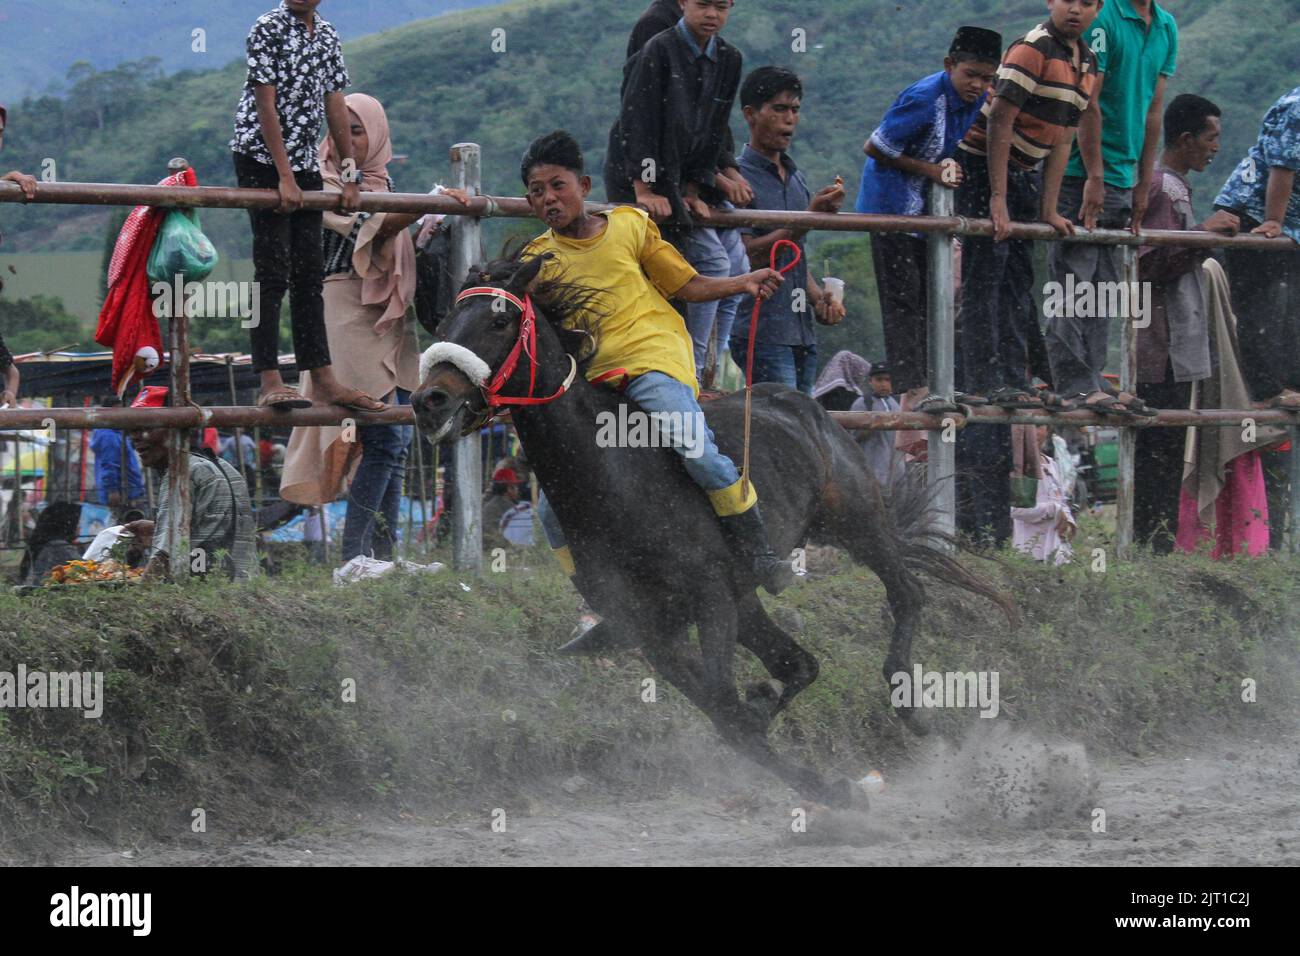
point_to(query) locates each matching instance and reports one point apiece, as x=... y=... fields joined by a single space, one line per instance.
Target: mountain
x=442 y=83
x=41 y=39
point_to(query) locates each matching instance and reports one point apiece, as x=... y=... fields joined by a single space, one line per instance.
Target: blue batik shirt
x=926 y=122
x=1278 y=145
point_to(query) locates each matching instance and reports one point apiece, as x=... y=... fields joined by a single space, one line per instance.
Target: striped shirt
x=337 y=249
x=1039 y=76
x=221 y=519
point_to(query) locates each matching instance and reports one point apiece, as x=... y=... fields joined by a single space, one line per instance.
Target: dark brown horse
x=650 y=553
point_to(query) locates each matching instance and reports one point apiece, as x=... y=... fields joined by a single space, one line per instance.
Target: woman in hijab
x=53 y=542
x=843 y=381
x=369 y=285
x=1046 y=529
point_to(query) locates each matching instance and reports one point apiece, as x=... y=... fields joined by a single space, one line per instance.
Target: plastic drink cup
x=835 y=288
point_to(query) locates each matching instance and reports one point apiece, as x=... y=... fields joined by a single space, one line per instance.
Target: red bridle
x=526 y=345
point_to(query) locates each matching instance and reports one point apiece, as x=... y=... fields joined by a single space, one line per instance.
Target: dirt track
x=1001 y=799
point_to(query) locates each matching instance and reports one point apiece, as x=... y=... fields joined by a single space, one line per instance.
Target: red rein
x=758 y=303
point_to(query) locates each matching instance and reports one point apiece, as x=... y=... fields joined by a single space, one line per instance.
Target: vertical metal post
x=941 y=456
x=123 y=473
x=423 y=491
x=407 y=550
x=178 y=451
x=83 y=456
x=239 y=432
x=67 y=465
x=467 y=513
x=257 y=472
x=18 y=488
x=1127 y=436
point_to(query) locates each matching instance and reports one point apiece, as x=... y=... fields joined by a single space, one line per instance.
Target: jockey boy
x=622 y=253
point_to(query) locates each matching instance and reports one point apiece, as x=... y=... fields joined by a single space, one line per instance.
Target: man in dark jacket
x=676 y=104
x=661 y=15
x=670 y=151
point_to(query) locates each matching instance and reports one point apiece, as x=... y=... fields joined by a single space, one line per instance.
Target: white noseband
x=475 y=369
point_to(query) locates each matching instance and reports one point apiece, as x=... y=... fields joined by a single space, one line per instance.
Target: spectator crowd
x=1073 y=124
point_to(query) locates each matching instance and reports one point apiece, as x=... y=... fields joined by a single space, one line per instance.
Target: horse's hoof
x=777 y=577
x=600 y=638
x=765 y=695
x=844 y=794
x=914 y=721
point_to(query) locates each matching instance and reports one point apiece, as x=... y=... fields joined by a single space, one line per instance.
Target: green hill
x=442 y=83
x=43 y=38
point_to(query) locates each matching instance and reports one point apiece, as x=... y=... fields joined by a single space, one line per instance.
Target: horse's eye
x=500 y=322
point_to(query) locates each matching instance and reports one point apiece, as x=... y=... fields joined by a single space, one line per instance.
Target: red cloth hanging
x=127 y=322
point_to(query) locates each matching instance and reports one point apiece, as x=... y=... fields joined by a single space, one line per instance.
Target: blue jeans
x=719 y=254
x=708 y=467
x=376 y=493
x=794 y=366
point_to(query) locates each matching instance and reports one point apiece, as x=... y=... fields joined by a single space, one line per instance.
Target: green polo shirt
x=1133 y=57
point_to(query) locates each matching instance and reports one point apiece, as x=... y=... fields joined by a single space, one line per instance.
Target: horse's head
x=488 y=356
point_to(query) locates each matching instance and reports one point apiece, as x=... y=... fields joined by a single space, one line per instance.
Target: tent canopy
x=89 y=374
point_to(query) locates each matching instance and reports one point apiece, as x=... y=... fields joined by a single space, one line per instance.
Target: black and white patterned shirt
x=303 y=68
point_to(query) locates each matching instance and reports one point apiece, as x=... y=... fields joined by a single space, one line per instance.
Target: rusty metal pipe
x=1170 y=418
x=250 y=416
x=118 y=194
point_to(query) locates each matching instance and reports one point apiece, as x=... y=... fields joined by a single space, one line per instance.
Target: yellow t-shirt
x=635 y=270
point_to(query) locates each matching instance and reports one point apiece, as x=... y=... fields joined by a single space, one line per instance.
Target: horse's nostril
x=433 y=399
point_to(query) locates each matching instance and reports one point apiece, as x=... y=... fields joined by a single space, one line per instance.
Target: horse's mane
x=564 y=304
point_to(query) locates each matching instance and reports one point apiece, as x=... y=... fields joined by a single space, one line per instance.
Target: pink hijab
x=387 y=269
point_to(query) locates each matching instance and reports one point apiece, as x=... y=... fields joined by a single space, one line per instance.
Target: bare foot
x=336 y=393
x=1288 y=398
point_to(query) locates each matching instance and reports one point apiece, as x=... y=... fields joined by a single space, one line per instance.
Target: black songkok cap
x=983 y=44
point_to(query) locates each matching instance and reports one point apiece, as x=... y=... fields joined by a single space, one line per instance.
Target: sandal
x=1010 y=397
x=283 y=399
x=1135 y=405
x=1055 y=403
x=1106 y=405
x=359 y=401
x=936 y=405
x=965 y=398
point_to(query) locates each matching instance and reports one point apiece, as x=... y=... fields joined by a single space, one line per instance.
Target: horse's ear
x=524 y=276
x=577 y=343
x=478 y=274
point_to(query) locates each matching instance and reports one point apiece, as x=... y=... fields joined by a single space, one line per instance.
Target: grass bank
x=236 y=700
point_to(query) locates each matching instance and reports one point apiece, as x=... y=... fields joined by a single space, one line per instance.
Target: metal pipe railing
x=229 y=197
x=940 y=229
x=247 y=416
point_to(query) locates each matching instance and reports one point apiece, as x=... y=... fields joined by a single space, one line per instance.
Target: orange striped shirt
x=1040 y=76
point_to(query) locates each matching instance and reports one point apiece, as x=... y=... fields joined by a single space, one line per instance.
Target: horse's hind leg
x=783 y=657
x=861 y=527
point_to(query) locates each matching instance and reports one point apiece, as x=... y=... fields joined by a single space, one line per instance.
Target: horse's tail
x=927 y=549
